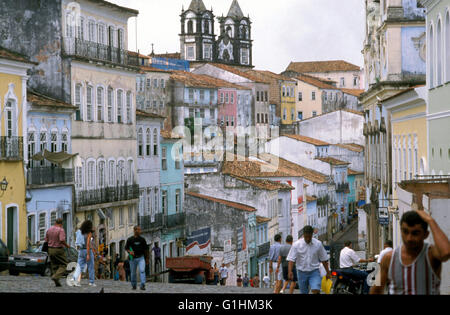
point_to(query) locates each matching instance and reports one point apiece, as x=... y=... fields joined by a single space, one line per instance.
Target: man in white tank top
x=415 y=267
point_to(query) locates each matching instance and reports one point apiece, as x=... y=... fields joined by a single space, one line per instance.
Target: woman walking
x=216 y=274
x=86 y=254
x=121 y=270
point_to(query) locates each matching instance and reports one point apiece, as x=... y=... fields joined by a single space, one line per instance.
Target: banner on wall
x=199 y=242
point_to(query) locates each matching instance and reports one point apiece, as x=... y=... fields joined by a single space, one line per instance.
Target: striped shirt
x=416 y=278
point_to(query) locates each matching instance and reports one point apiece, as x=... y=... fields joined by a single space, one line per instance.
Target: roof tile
x=322 y=66
x=231 y=204
x=306 y=139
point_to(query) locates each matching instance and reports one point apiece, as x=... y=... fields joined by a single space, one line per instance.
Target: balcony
x=107 y=195
x=343 y=187
x=49 y=175
x=175 y=220
x=100 y=52
x=11 y=148
x=147 y=225
x=263 y=249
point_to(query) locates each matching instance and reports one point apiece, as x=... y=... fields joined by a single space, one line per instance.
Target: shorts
x=286 y=273
x=279 y=275
x=309 y=280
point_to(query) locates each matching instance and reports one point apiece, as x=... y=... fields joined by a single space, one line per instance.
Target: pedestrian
x=284 y=265
x=126 y=267
x=256 y=281
x=274 y=252
x=307 y=253
x=266 y=281
x=348 y=258
x=415 y=255
x=79 y=244
x=157 y=252
x=387 y=249
x=56 y=239
x=101 y=266
x=239 y=281
x=86 y=255
x=216 y=274
x=223 y=275
x=121 y=270
x=115 y=264
x=245 y=281
x=137 y=247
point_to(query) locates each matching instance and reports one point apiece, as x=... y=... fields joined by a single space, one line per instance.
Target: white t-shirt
x=307 y=257
x=382 y=253
x=348 y=258
x=266 y=279
x=223 y=272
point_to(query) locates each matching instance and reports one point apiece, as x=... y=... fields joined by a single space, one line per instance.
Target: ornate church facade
x=198 y=43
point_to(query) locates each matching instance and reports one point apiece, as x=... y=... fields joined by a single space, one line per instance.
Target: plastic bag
x=326 y=285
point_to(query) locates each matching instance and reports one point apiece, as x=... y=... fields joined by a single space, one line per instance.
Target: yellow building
x=409 y=142
x=13 y=96
x=288 y=109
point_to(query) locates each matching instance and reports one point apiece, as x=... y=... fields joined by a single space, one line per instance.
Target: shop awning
x=63 y=159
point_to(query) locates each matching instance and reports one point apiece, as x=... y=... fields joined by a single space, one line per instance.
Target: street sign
x=383 y=220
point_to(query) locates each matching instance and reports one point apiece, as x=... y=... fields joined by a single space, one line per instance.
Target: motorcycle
x=345 y=283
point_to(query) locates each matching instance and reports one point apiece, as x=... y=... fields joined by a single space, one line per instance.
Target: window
x=202 y=113
x=99 y=104
x=149 y=83
x=156 y=196
x=190 y=53
x=267 y=120
x=191 y=94
x=164 y=158
x=80 y=32
x=91 y=175
x=91 y=31
x=140 y=142
x=130 y=172
x=129 y=118
x=155 y=142
x=54 y=141
x=43 y=141
x=110 y=104
x=231 y=98
x=52 y=218
x=202 y=95
x=69 y=25
x=101 y=34
x=300 y=115
x=300 y=96
x=178 y=200
x=212 y=114
x=78 y=112
x=164 y=201
x=42 y=226
x=120 y=38
x=111 y=169
x=313 y=96
x=232 y=121
x=226 y=98
x=79 y=176
x=120 y=216
x=31 y=147
x=314 y=113
x=284 y=114
x=148 y=142
x=447 y=46
x=177 y=158
x=342 y=82
x=121 y=173
x=292 y=114
x=131 y=215
x=355 y=81
x=431 y=56
x=257 y=96
x=119 y=106
x=162 y=84
x=266 y=95
x=257 y=119
x=439 y=69
x=244 y=56
x=207 y=49
x=111 y=219
x=284 y=91
x=101 y=174
x=190 y=27
x=89 y=104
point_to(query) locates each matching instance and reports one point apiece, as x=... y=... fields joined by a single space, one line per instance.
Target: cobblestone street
x=38 y=284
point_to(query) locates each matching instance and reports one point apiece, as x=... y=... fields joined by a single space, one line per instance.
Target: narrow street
x=38 y=284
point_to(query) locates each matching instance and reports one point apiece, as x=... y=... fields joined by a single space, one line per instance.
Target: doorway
x=12 y=229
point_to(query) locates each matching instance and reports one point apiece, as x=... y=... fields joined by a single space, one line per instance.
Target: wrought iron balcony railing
x=49 y=175
x=175 y=220
x=107 y=195
x=263 y=249
x=95 y=51
x=342 y=187
x=11 y=148
x=147 y=224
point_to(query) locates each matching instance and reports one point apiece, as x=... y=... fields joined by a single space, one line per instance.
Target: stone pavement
x=38 y=284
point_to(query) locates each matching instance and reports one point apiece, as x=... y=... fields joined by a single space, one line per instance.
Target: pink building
x=228 y=102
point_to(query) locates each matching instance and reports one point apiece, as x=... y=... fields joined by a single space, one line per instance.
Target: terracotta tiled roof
x=322 y=66
x=112 y=5
x=354 y=92
x=352 y=172
x=168 y=55
x=264 y=183
x=261 y=220
x=269 y=75
x=240 y=73
x=310 y=198
x=316 y=82
x=306 y=139
x=353 y=111
x=169 y=135
x=41 y=100
x=11 y=55
x=200 y=80
x=150 y=115
x=332 y=161
x=231 y=204
x=350 y=146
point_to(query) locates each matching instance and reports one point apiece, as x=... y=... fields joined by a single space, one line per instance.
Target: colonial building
x=13 y=151
x=198 y=42
x=394 y=60
x=50 y=169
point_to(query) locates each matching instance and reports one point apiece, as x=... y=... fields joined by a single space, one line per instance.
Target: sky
x=282 y=30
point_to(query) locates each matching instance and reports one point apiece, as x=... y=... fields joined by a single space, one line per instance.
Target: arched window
x=64 y=141
x=190 y=27
x=447 y=47
x=206 y=26
x=89 y=107
x=110 y=104
x=79 y=176
x=91 y=175
x=121 y=173
x=129 y=118
x=148 y=142
x=54 y=141
x=431 y=54
x=130 y=172
x=439 y=53
x=140 y=143
x=119 y=106
x=10 y=113
x=99 y=103
x=78 y=104
x=111 y=168
x=155 y=142
x=101 y=174
x=31 y=147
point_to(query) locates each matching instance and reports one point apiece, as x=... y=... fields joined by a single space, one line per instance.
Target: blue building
x=50 y=167
x=172 y=197
x=263 y=247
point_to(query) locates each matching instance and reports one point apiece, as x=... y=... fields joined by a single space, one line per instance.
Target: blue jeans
x=82 y=255
x=359 y=274
x=309 y=279
x=133 y=265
